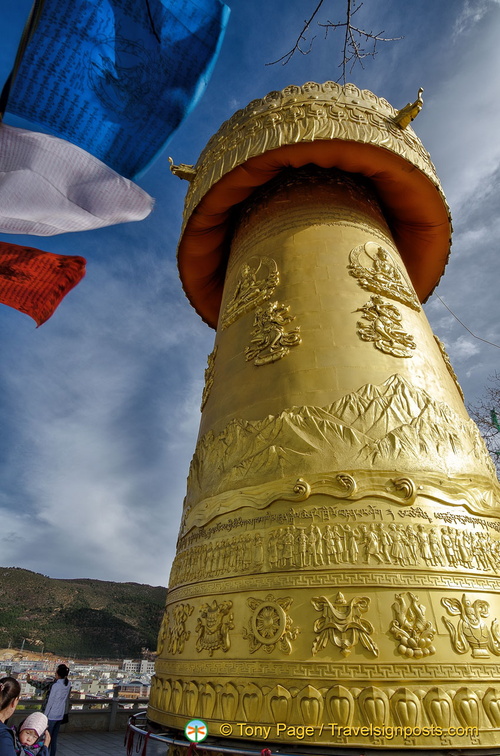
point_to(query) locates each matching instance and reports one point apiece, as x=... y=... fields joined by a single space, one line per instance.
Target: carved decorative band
x=472 y=712
x=326 y=547
x=427 y=430
x=400 y=490
x=323 y=672
x=304 y=114
x=314 y=579
x=301 y=215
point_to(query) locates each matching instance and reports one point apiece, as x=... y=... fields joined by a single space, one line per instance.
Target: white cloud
x=472 y=12
x=463 y=348
x=462 y=113
x=107 y=409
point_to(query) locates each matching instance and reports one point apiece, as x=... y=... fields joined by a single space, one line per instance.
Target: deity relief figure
x=209 y=377
x=410 y=628
x=256 y=282
x=471 y=631
x=384 y=277
x=341 y=624
x=384 y=328
x=270 y=625
x=214 y=623
x=270 y=340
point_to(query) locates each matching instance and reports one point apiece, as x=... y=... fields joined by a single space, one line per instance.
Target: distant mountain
x=86 y=618
x=394 y=426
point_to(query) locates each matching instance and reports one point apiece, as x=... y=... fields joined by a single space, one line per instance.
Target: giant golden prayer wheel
x=336 y=581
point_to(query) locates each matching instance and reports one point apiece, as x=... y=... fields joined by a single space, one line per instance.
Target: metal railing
x=138 y=725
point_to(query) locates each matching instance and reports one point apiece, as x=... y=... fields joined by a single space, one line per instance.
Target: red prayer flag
x=35 y=282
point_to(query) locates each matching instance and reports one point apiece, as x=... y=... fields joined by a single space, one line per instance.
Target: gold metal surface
x=337 y=572
x=305 y=114
x=332 y=126
x=407 y=114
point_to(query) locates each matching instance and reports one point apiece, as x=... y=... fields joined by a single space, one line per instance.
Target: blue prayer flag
x=117 y=77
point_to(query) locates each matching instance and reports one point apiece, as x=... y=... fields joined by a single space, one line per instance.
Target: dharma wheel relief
x=374 y=636
x=270 y=626
x=337 y=576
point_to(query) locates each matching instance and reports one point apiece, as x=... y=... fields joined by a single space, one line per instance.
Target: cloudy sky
x=100 y=406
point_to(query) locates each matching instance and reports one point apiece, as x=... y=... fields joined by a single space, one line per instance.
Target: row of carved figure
x=465 y=707
x=314 y=546
x=269 y=626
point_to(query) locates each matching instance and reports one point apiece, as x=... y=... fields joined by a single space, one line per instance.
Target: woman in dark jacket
x=9 y=697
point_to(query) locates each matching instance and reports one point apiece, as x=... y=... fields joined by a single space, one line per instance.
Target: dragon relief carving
x=270 y=340
x=257 y=280
x=384 y=277
x=341 y=624
x=270 y=625
x=383 y=327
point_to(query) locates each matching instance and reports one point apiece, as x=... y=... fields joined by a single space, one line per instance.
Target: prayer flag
x=116 y=77
x=35 y=282
x=49 y=186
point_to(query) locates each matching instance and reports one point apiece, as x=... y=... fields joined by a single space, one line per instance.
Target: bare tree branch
x=301 y=38
x=486 y=414
x=355 y=39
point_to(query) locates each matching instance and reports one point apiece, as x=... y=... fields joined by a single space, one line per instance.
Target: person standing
x=56 y=702
x=9 y=698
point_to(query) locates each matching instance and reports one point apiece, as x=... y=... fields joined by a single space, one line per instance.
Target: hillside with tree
x=83 y=617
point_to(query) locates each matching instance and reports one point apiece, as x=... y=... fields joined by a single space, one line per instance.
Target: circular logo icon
x=196 y=730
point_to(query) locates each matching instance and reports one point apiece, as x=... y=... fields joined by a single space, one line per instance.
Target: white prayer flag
x=49 y=186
